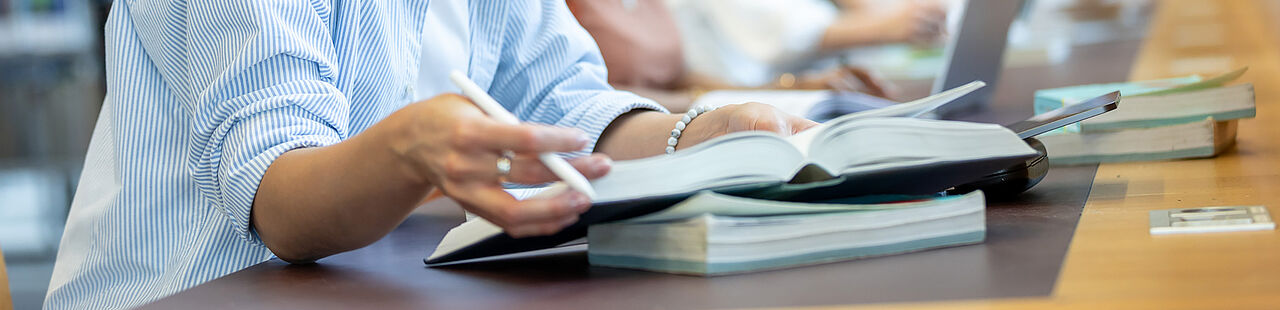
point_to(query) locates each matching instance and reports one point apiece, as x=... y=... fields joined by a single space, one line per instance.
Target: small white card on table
x=1210 y=219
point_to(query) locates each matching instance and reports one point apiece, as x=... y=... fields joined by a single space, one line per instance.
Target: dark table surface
x=1026 y=241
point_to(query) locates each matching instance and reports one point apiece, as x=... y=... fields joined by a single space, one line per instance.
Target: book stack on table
x=1186 y=117
x=863 y=184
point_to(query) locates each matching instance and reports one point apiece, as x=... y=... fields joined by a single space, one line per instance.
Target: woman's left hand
x=641 y=134
x=851 y=78
x=741 y=117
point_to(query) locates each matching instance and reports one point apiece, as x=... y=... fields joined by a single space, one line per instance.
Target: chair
x=6 y=301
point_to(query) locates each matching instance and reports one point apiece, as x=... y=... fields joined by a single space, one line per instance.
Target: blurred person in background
x=670 y=50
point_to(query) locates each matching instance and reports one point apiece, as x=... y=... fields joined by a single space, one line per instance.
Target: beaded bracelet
x=684 y=121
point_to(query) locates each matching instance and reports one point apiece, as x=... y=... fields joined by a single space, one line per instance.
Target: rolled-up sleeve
x=255 y=79
x=551 y=69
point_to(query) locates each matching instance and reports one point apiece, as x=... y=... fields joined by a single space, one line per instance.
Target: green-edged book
x=1205 y=138
x=1186 y=117
x=712 y=234
x=1156 y=103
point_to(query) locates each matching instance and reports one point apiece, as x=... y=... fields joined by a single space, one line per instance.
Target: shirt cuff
x=249 y=148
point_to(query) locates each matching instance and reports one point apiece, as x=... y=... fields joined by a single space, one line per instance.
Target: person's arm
x=633 y=134
x=270 y=147
x=641 y=44
x=913 y=21
x=249 y=93
x=572 y=88
x=319 y=201
x=372 y=181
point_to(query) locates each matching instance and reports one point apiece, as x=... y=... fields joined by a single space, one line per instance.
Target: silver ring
x=504 y=164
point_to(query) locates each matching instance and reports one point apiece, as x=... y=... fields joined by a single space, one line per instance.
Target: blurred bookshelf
x=50 y=93
x=51 y=88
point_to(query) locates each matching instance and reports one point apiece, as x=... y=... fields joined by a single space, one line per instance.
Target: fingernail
x=603 y=163
x=583 y=139
x=581 y=202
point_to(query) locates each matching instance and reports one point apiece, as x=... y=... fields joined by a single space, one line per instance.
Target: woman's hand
x=912 y=21
x=741 y=117
x=915 y=22
x=451 y=144
x=644 y=133
x=850 y=78
x=317 y=201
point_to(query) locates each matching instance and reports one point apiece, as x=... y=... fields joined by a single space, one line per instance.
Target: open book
x=854 y=155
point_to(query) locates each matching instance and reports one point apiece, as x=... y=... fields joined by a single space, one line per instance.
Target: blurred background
x=51 y=88
x=52 y=85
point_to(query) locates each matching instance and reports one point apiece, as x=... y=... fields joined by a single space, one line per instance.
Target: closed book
x=1178 y=118
x=1157 y=103
x=723 y=238
x=1205 y=138
x=1221 y=104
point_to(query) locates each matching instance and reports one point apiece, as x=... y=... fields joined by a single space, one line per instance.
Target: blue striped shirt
x=203 y=95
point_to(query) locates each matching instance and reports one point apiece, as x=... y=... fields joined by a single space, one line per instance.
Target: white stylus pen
x=490 y=106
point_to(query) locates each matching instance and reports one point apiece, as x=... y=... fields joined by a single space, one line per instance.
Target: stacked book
x=711 y=234
x=1186 y=117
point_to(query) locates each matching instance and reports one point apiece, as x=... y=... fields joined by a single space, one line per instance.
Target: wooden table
x=1112 y=262
x=6 y=299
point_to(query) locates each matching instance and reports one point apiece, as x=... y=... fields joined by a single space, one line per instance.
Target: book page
x=723 y=205
x=1216 y=81
x=740 y=158
x=464 y=235
x=803 y=141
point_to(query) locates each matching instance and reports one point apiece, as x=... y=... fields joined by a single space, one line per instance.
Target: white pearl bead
x=686 y=119
x=675 y=133
x=680 y=126
x=672 y=141
x=692 y=113
x=671 y=149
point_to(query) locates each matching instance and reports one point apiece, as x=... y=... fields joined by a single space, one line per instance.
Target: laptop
x=975 y=51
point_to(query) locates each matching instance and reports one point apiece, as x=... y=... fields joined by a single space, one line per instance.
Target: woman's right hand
x=915 y=22
x=448 y=142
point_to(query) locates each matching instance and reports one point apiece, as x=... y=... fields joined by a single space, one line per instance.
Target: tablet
x=1066 y=115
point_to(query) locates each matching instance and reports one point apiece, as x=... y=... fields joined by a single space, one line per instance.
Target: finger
x=931 y=26
x=524 y=138
x=874 y=85
x=497 y=206
x=765 y=118
x=844 y=81
x=887 y=88
x=527 y=169
x=471 y=167
x=799 y=124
